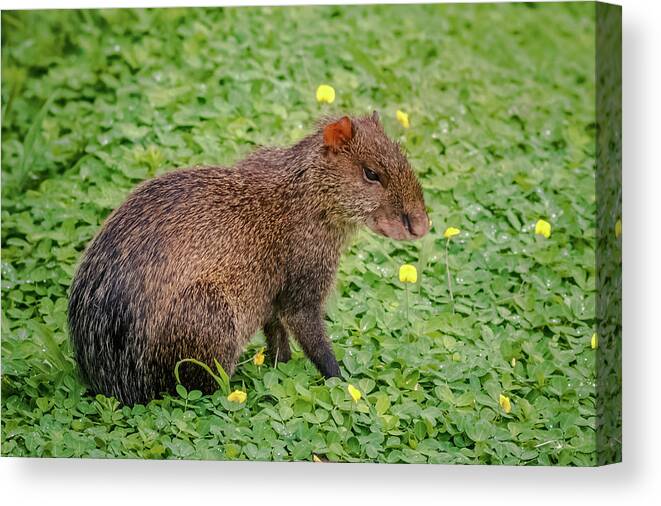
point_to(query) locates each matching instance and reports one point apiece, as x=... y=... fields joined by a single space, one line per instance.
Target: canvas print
x=379 y=233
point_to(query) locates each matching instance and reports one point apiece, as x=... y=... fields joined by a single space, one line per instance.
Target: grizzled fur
x=195 y=261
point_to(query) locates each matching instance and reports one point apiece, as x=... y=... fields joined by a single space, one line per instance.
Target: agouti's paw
x=278 y=356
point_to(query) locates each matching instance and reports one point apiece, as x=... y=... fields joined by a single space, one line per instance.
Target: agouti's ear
x=375 y=116
x=338 y=133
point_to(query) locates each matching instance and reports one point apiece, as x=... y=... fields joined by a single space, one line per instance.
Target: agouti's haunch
x=195 y=261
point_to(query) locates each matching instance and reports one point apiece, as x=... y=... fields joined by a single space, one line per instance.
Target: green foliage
x=220 y=376
x=501 y=102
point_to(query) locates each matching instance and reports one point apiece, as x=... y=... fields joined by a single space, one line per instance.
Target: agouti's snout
x=402 y=226
x=417 y=224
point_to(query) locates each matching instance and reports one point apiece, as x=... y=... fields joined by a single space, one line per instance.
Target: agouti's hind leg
x=277 y=342
x=201 y=326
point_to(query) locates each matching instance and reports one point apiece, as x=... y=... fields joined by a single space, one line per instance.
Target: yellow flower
x=258 y=359
x=316 y=459
x=403 y=118
x=594 y=342
x=237 y=396
x=618 y=228
x=513 y=362
x=408 y=273
x=450 y=232
x=325 y=93
x=543 y=228
x=504 y=402
x=354 y=393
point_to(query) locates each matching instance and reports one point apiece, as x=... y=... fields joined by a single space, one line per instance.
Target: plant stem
x=406 y=302
x=346 y=434
x=447 y=270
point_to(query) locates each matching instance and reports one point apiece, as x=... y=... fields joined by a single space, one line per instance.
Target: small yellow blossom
x=316 y=459
x=354 y=393
x=543 y=228
x=618 y=228
x=408 y=273
x=403 y=118
x=325 y=93
x=513 y=362
x=594 y=342
x=451 y=232
x=237 y=396
x=504 y=402
x=258 y=359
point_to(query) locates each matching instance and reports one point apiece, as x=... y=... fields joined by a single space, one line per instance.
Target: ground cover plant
x=487 y=356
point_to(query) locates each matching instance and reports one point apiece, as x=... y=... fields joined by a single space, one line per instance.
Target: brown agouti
x=195 y=261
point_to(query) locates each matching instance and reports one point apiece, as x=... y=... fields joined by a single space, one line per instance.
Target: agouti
x=197 y=260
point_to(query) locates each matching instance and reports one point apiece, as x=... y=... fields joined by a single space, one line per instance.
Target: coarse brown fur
x=195 y=261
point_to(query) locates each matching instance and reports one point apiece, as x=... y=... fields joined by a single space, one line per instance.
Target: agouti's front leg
x=277 y=342
x=308 y=328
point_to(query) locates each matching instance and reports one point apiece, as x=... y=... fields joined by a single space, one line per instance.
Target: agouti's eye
x=370 y=175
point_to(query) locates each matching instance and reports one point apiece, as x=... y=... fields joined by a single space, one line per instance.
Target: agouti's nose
x=416 y=223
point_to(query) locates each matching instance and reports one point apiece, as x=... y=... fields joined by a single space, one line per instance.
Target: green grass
x=501 y=102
